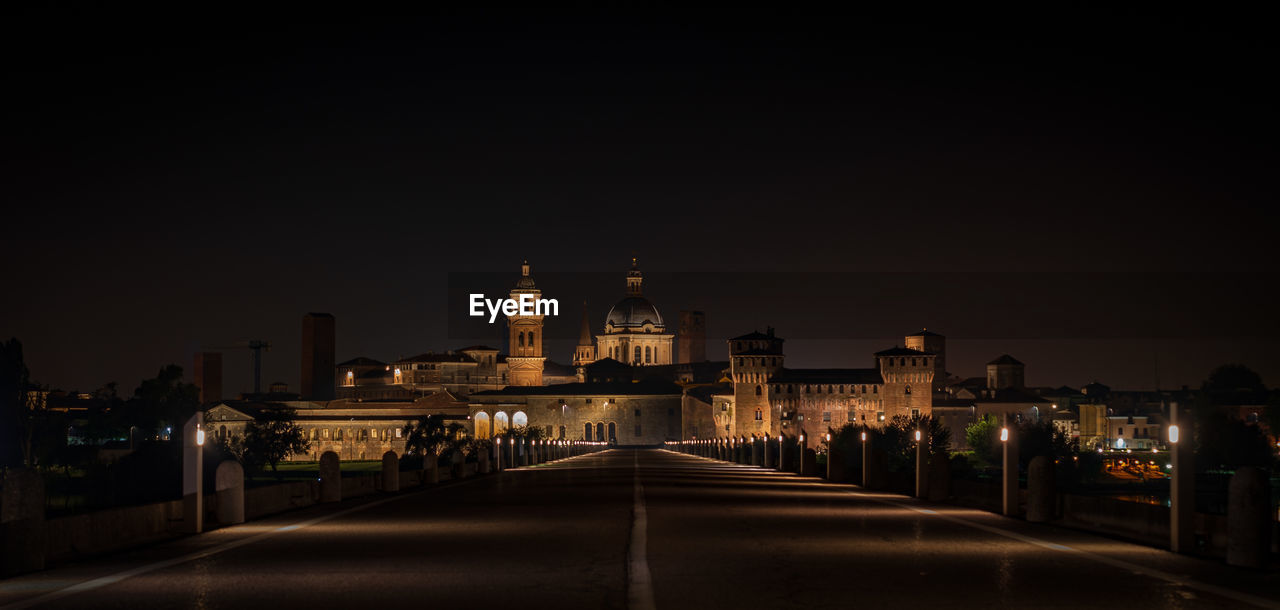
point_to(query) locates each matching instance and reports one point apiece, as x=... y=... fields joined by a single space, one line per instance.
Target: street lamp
x=1004 y=435
x=1173 y=434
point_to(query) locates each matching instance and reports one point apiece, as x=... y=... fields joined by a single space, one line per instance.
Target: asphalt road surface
x=642 y=529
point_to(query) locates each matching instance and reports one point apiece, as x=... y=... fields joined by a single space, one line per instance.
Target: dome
x=634 y=312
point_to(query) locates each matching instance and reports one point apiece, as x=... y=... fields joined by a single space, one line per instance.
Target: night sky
x=173 y=186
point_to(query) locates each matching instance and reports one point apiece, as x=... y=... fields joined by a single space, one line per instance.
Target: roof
x=1005 y=359
x=648 y=387
x=924 y=333
x=550 y=367
x=362 y=361
x=903 y=351
x=478 y=348
x=704 y=392
x=759 y=352
x=1010 y=395
x=429 y=357
x=633 y=312
x=855 y=376
x=755 y=336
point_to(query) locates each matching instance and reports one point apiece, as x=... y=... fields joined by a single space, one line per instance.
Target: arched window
x=500 y=422
x=586 y=431
x=907 y=390
x=339 y=437
x=562 y=431
x=613 y=432
x=600 y=431
x=637 y=354
x=647 y=355
x=758 y=391
x=519 y=420
x=530 y=338
x=875 y=389
x=759 y=415
x=521 y=338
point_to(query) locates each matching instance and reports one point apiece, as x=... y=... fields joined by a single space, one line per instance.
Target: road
x=642 y=529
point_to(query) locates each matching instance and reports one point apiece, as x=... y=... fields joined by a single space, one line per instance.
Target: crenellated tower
x=525 y=359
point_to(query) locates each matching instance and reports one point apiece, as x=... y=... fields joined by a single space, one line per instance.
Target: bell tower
x=525 y=359
x=585 y=353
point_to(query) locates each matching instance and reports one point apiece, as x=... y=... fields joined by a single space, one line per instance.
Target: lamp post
x=1009 y=476
x=922 y=464
x=866 y=460
x=782 y=456
x=1182 y=496
x=193 y=474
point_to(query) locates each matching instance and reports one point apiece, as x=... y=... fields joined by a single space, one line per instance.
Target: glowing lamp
x=1004 y=435
x=1173 y=434
x=864 y=437
x=917 y=436
x=828 y=438
x=802 y=438
x=199 y=436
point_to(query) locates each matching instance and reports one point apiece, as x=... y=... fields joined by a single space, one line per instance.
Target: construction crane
x=258 y=346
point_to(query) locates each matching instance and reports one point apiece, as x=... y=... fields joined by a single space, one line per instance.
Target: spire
x=584 y=337
x=525 y=280
x=634 y=278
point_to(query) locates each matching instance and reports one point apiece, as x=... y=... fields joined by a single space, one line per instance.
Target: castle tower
x=585 y=353
x=691 y=339
x=753 y=360
x=318 y=357
x=908 y=381
x=525 y=361
x=925 y=341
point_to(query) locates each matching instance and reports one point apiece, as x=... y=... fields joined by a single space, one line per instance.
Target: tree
x=273 y=437
x=1234 y=378
x=983 y=437
x=164 y=401
x=14 y=404
x=433 y=435
x=898 y=439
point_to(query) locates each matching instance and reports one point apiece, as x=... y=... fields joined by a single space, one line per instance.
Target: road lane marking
x=639 y=582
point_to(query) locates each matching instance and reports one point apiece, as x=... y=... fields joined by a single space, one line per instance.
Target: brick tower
x=691 y=340
x=525 y=362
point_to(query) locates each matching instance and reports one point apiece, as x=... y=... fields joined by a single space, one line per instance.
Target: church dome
x=634 y=312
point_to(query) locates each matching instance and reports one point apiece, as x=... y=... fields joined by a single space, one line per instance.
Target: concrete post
x=1182 y=491
x=22 y=525
x=922 y=464
x=1009 y=474
x=1248 y=522
x=330 y=477
x=193 y=474
x=390 y=472
x=1040 y=489
x=939 y=478
x=228 y=482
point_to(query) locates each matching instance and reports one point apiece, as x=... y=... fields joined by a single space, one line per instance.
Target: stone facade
x=644 y=413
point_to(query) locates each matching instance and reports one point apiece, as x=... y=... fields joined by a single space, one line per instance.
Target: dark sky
x=200 y=182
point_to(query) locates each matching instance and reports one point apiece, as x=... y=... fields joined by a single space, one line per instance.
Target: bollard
x=939 y=478
x=922 y=465
x=330 y=477
x=744 y=451
x=770 y=456
x=228 y=483
x=1009 y=473
x=482 y=462
x=757 y=452
x=1182 y=492
x=1040 y=490
x=390 y=472
x=1248 y=521
x=22 y=543
x=809 y=463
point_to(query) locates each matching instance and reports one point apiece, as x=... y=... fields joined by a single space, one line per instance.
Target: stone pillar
x=193 y=474
x=1248 y=522
x=770 y=454
x=22 y=524
x=1009 y=473
x=390 y=472
x=330 y=477
x=922 y=465
x=1041 y=491
x=939 y=477
x=228 y=482
x=1182 y=487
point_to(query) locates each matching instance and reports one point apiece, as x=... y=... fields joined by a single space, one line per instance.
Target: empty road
x=642 y=529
